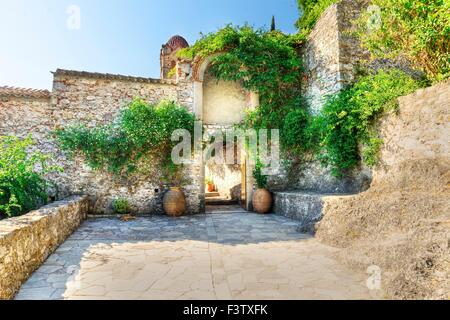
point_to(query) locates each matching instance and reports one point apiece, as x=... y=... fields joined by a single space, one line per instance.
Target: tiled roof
x=95 y=75
x=23 y=92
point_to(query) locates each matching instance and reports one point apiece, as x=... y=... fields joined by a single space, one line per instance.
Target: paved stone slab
x=237 y=255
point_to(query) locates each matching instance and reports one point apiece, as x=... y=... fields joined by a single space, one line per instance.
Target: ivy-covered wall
x=331 y=55
x=331 y=58
x=95 y=99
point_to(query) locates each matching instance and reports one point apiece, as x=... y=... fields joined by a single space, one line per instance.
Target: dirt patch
x=402 y=225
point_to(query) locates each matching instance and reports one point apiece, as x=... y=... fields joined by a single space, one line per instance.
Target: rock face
x=401 y=224
x=26 y=241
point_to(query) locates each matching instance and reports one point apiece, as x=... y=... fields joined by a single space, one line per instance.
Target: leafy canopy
x=416 y=30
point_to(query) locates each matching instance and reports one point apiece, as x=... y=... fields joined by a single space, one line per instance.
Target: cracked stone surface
x=237 y=255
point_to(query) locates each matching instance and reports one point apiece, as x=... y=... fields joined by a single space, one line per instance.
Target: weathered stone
x=28 y=240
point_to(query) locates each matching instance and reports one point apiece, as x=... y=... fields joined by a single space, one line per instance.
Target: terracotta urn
x=174 y=202
x=262 y=201
x=210 y=187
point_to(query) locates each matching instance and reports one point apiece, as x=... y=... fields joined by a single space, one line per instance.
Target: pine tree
x=272 y=26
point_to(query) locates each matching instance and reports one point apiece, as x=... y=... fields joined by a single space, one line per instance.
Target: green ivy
x=260 y=178
x=22 y=183
x=266 y=62
x=416 y=30
x=269 y=63
x=349 y=118
x=139 y=138
x=310 y=12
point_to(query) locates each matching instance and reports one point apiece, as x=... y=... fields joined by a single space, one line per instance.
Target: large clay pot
x=174 y=202
x=262 y=201
x=211 y=187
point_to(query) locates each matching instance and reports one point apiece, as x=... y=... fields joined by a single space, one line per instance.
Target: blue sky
x=115 y=36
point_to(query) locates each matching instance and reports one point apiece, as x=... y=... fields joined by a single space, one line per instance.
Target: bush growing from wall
x=310 y=12
x=416 y=30
x=349 y=118
x=139 y=137
x=22 y=183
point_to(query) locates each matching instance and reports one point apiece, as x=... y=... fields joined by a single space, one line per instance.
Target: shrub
x=121 y=206
x=260 y=178
x=22 y=184
x=310 y=12
x=297 y=134
x=349 y=118
x=139 y=132
x=416 y=30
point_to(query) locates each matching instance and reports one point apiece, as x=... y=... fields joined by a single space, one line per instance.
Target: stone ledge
x=306 y=207
x=26 y=241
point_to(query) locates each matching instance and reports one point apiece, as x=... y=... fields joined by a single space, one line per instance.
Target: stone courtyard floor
x=232 y=255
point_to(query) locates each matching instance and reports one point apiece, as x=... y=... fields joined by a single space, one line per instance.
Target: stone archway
x=220 y=105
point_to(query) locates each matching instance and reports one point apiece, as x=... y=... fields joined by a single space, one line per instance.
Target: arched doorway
x=220 y=105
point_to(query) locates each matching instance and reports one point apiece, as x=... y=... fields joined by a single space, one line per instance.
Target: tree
x=273 y=26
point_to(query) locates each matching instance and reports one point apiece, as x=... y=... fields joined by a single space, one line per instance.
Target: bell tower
x=169 y=58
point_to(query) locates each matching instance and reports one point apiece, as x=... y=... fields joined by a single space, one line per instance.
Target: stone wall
x=331 y=55
x=94 y=99
x=26 y=241
x=224 y=102
x=401 y=223
x=26 y=115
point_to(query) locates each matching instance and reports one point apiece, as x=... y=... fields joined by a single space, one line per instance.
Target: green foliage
x=416 y=30
x=140 y=132
x=264 y=62
x=310 y=12
x=297 y=134
x=22 y=184
x=349 y=119
x=121 y=206
x=273 y=26
x=260 y=178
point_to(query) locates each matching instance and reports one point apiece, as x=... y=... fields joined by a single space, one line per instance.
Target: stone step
x=220 y=201
x=212 y=194
x=305 y=207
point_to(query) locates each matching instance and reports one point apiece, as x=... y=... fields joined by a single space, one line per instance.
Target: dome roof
x=177 y=42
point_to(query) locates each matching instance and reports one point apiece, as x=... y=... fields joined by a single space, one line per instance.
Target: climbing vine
x=269 y=63
x=138 y=139
x=266 y=62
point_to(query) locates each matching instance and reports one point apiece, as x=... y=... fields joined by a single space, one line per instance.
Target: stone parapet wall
x=26 y=241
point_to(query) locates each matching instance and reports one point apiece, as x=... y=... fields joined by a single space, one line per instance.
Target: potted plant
x=210 y=184
x=262 y=198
